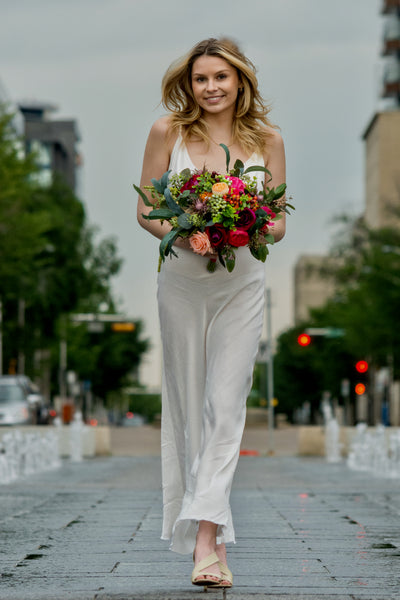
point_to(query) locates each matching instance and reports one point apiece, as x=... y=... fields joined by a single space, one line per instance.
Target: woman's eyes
x=220 y=76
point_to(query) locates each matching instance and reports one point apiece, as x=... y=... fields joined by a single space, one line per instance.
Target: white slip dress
x=211 y=324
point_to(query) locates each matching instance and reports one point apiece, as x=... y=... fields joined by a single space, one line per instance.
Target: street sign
x=123 y=327
x=331 y=332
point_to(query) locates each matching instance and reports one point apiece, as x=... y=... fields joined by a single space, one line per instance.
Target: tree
x=50 y=258
x=366 y=269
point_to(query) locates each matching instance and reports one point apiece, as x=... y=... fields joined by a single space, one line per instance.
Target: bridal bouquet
x=217 y=213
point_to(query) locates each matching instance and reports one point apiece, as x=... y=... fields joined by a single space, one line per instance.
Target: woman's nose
x=211 y=84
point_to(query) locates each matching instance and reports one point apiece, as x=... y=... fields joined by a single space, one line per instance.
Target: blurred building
x=53 y=141
x=382 y=135
x=382 y=170
x=313 y=284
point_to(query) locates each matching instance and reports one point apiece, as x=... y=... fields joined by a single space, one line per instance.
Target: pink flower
x=269 y=212
x=238 y=237
x=237 y=185
x=200 y=243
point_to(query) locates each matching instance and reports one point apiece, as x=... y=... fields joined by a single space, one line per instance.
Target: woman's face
x=215 y=84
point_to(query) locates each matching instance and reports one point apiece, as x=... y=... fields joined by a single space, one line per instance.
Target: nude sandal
x=199 y=577
x=227 y=576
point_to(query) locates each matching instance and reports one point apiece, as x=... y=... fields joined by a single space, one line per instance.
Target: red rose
x=189 y=185
x=247 y=218
x=217 y=234
x=237 y=238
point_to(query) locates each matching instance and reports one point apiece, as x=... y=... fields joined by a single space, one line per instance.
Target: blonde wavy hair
x=250 y=119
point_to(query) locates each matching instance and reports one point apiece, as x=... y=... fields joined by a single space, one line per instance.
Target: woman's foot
x=206 y=546
x=226 y=575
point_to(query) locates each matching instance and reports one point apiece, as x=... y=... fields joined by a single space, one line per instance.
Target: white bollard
x=332 y=443
x=77 y=431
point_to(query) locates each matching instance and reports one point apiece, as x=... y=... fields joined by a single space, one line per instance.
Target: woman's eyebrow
x=217 y=73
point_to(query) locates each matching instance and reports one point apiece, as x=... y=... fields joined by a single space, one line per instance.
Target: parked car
x=132 y=420
x=20 y=401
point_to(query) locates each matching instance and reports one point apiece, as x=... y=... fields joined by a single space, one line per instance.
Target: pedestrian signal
x=304 y=339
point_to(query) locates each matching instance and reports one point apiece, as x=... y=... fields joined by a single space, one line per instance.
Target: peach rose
x=220 y=188
x=200 y=243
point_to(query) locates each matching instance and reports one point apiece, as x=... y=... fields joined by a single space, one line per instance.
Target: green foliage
x=148 y=405
x=366 y=268
x=366 y=306
x=107 y=359
x=50 y=258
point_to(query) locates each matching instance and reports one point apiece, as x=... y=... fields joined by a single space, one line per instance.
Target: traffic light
x=303 y=339
x=360 y=387
x=362 y=366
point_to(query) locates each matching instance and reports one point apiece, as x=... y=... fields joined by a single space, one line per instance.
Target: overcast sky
x=101 y=62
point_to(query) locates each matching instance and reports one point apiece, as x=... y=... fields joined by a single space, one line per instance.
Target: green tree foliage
x=50 y=258
x=302 y=374
x=22 y=231
x=366 y=269
x=109 y=359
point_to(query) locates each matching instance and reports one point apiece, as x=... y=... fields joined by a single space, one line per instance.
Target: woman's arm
x=275 y=162
x=155 y=162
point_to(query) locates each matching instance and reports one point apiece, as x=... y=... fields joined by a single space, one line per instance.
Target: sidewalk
x=305 y=529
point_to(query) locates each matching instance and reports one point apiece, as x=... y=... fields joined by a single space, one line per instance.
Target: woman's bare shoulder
x=161 y=132
x=274 y=143
x=274 y=137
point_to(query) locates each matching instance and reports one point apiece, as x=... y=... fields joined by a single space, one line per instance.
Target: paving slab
x=305 y=529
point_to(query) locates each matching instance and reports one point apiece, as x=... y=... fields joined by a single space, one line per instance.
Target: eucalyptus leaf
x=256 y=168
x=185 y=221
x=177 y=210
x=280 y=190
x=159 y=213
x=221 y=260
x=167 y=241
x=228 y=156
x=156 y=183
x=238 y=168
x=142 y=195
x=186 y=173
x=164 y=180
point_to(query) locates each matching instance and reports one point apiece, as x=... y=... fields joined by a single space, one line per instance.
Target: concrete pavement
x=305 y=529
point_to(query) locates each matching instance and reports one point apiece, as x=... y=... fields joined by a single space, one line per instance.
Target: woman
x=210 y=322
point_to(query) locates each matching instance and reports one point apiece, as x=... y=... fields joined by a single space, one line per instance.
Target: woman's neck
x=220 y=122
x=220 y=125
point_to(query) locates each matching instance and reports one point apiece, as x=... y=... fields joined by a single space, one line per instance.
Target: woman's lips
x=213 y=99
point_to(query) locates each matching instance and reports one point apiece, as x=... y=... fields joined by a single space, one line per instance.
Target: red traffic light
x=362 y=366
x=304 y=339
x=360 y=389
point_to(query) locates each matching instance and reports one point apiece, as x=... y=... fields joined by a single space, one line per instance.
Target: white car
x=15 y=408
